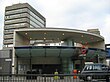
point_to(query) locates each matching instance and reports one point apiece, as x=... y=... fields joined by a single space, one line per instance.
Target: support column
x=17 y=64
x=67 y=65
x=13 y=61
x=68 y=42
x=30 y=60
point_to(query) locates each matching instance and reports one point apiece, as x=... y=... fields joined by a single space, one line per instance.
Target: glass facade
x=37 y=18
x=68 y=60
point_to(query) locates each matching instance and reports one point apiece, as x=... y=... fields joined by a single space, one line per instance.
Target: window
x=16 y=11
x=96 y=67
x=14 y=20
x=31 y=13
x=34 y=24
x=15 y=15
x=104 y=67
x=23 y=67
x=36 y=21
x=92 y=67
x=88 y=68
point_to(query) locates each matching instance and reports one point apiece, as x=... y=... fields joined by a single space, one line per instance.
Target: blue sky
x=76 y=14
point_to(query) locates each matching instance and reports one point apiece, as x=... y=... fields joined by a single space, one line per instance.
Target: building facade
x=20 y=16
x=56 y=48
x=6 y=61
x=37 y=47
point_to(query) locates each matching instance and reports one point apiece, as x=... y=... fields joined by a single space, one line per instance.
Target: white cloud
x=65 y=12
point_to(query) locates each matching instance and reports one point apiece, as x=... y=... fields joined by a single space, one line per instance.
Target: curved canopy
x=61 y=34
x=56 y=51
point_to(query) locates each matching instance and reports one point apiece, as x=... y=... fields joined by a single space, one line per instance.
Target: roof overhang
x=61 y=34
x=55 y=51
x=44 y=51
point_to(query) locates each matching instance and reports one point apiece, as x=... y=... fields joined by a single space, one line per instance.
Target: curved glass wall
x=69 y=57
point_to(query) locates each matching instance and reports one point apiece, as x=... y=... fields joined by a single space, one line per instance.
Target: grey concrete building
x=20 y=16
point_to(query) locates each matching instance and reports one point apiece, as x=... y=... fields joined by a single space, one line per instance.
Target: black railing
x=54 y=78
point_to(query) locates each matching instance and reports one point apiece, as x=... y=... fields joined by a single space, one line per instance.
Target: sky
x=74 y=14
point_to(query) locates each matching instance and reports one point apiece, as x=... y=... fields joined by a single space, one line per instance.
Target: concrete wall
x=20 y=40
x=99 y=45
x=5 y=61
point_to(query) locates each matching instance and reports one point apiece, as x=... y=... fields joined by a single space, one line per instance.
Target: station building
x=29 y=47
x=49 y=49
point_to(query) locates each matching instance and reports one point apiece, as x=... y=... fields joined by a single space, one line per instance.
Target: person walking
x=56 y=77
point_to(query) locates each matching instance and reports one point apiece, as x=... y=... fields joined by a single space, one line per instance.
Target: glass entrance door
x=46 y=68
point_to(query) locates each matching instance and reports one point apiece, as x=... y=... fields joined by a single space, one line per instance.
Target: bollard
x=74 y=72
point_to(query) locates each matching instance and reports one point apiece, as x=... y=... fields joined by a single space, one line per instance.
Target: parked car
x=95 y=71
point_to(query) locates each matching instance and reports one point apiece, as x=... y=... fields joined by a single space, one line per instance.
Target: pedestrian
x=56 y=77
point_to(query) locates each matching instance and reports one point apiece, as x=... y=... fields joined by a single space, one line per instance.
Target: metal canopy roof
x=54 y=51
x=44 y=51
x=61 y=34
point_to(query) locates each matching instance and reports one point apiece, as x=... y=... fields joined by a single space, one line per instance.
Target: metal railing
x=53 y=78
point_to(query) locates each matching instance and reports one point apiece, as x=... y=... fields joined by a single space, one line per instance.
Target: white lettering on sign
x=7 y=59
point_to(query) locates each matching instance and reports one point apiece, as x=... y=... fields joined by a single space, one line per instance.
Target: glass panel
x=36 y=21
x=39 y=19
